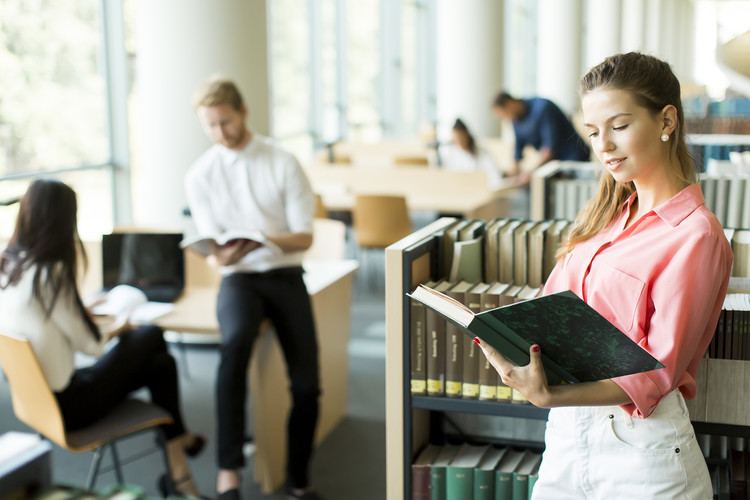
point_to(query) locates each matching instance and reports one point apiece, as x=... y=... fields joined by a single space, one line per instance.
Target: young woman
x=39 y=301
x=464 y=155
x=651 y=258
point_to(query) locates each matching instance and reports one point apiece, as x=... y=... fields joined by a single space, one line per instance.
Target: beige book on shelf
x=535 y=264
x=734 y=202
x=521 y=252
x=505 y=250
x=553 y=238
x=467 y=260
x=491 y=249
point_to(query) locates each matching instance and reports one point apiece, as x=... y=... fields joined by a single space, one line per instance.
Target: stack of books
x=474 y=472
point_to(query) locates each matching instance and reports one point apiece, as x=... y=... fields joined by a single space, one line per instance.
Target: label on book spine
x=470 y=390
x=488 y=392
x=504 y=393
x=418 y=386
x=434 y=387
x=453 y=388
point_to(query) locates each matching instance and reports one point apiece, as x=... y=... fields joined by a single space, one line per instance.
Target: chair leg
x=94 y=469
x=161 y=441
x=116 y=464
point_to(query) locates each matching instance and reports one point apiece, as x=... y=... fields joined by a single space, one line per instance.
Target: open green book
x=577 y=343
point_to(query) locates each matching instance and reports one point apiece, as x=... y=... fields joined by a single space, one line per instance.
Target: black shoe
x=307 y=495
x=233 y=494
x=199 y=442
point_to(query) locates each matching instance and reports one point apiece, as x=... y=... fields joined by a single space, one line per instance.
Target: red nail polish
x=476 y=340
x=535 y=348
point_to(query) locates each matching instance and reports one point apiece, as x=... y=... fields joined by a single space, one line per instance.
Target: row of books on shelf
x=732 y=337
x=478 y=472
x=444 y=360
x=505 y=250
x=728 y=461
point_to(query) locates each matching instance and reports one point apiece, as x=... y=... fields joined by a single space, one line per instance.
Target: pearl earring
x=664 y=137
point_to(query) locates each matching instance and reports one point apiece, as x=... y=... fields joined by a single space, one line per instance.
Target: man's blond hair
x=218 y=90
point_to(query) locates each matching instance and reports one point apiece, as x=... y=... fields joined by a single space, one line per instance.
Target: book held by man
x=202 y=243
x=577 y=343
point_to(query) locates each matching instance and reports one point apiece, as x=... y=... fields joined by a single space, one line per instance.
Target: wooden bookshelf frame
x=409 y=262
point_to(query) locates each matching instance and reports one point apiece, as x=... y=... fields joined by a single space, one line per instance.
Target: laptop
x=151 y=262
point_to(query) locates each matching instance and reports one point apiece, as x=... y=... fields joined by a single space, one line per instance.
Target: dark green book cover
x=437 y=471
x=484 y=474
x=577 y=343
x=459 y=475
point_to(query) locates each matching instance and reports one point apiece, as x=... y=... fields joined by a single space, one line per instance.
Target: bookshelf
x=413 y=421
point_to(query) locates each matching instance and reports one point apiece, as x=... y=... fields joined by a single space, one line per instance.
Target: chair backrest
x=33 y=401
x=321 y=212
x=329 y=240
x=380 y=220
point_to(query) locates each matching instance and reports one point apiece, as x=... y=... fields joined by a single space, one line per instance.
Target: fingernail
x=476 y=340
x=535 y=348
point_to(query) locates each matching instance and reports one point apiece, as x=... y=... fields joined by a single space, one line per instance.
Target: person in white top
x=245 y=183
x=39 y=302
x=463 y=154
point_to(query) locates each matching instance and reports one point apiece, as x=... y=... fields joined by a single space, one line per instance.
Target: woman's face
x=460 y=139
x=625 y=137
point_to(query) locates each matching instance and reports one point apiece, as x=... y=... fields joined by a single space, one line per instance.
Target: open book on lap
x=577 y=343
x=202 y=243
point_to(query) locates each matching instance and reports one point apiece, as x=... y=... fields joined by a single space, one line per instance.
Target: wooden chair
x=380 y=221
x=35 y=405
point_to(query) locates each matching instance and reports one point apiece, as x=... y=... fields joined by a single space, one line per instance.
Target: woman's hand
x=529 y=380
x=113 y=326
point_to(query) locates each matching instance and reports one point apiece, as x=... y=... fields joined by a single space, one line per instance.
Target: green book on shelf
x=504 y=474
x=437 y=471
x=529 y=465
x=577 y=343
x=459 y=475
x=484 y=474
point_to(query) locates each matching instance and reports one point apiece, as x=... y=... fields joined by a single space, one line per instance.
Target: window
x=356 y=70
x=54 y=104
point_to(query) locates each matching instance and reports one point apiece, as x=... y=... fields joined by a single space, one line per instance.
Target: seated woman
x=39 y=300
x=464 y=155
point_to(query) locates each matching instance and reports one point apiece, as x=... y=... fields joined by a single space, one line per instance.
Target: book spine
x=420 y=482
x=418 y=351
x=453 y=360
x=435 y=353
x=520 y=486
x=437 y=483
x=459 y=483
x=484 y=484
x=503 y=392
x=503 y=486
x=487 y=380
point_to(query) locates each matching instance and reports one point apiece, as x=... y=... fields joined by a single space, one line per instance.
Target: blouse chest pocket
x=615 y=294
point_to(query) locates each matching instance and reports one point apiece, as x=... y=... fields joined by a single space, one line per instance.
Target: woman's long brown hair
x=653 y=86
x=46 y=237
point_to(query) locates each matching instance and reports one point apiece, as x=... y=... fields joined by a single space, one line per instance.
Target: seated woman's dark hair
x=460 y=126
x=46 y=236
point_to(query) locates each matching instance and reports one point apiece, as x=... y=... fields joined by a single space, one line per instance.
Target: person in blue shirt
x=539 y=123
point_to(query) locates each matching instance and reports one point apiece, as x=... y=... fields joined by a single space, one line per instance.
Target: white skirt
x=601 y=452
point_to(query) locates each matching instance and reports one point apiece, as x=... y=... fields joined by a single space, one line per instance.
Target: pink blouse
x=662 y=281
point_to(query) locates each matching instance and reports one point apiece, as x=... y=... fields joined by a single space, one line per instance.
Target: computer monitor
x=151 y=262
